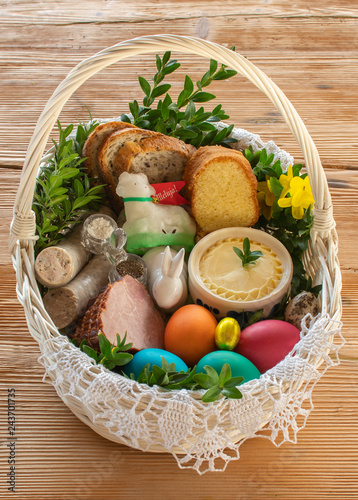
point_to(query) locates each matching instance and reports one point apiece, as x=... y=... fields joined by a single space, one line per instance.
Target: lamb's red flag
x=167 y=193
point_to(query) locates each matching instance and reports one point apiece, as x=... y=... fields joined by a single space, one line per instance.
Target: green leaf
x=247 y=256
x=225 y=374
x=145 y=85
x=55 y=181
x=189 y=111
x=276 y=187
x=66 y=161
x=104 y=344
x=256 y=317
x=238 y=252
x=204 y=380
x=122 y=358
x=166 y=57
x=213 y=394
x=233 y=382
x=165 y=365
x=78 y=187
x=210 y=136
x=188 y=85
x=185 y=134
x=163 y=380
x=171 y=67
x=212 y=373
x=158 y=372
x=206 y=127
x=182 y=97
x=160 y=90
x=270 y=172
x=90 y=352
x=232 y=393
x=125 y=118
x=213 y=66
x=80 y=202
x=203 y=97
x=68 y=172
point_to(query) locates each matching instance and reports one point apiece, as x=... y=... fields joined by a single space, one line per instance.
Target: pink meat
x=123 y=307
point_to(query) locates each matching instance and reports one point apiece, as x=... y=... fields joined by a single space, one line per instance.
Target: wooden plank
x=20 y=13
x=311 y=83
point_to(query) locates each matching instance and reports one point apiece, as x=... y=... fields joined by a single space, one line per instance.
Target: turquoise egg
x=153 y=357
x=240 y=366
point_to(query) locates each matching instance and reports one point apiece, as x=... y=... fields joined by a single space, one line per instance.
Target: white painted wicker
x=150 y=418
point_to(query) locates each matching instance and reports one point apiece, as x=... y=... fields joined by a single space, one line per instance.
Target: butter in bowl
x=229 y=279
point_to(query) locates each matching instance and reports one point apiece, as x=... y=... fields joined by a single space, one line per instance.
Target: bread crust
x=107 y=158
x=206 y=157
x=147 y=146
x=93 y=143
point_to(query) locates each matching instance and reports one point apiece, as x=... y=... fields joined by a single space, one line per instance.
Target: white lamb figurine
x=150 y=224
x=167 y=277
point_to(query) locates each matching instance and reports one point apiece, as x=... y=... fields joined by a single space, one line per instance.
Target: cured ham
x=123 y=307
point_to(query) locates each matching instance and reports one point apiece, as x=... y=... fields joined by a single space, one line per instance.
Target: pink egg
x=267 y=342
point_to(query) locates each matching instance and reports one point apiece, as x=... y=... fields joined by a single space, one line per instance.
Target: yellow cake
x=222 y=189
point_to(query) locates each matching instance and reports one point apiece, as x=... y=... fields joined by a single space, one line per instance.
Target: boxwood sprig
x=111 y=355
x=181 y=118
x=217 y=384
x=63 y=192
x=166 y=375
x=246 y=255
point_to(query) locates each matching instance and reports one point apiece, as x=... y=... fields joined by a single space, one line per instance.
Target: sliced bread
x=161 y=158
x=93 y=143
x=222 y=189
x=107 y=159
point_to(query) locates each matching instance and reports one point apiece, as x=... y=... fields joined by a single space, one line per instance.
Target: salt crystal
x=100 y=228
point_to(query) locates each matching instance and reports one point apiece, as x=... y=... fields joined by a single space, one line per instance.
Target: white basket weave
x=152 y=419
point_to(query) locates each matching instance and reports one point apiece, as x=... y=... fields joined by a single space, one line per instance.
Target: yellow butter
x=222 y=272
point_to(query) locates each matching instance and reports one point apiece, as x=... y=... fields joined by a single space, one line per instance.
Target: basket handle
x=23 y=224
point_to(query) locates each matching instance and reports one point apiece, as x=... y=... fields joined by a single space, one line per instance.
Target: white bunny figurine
x=167 y=277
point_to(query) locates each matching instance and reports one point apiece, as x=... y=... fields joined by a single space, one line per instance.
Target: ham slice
x=123 y=307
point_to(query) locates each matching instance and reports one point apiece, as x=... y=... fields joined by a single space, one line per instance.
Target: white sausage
x=68 y=303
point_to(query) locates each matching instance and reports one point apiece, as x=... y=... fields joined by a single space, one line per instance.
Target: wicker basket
x=119 y=400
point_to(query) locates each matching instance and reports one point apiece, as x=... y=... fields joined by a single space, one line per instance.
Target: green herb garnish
x=247 y=257
x=111 y=355
x=167 y=377
x=180 y=118
x=63 y=192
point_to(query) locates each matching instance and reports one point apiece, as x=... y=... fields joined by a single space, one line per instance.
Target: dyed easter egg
x=227 y=334
x=267 y=342
x=304 y=303
x=240 y=366
x=190 y=333
x=153 y=357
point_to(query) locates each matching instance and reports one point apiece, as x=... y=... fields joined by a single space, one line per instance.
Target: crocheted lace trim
x=199 y=435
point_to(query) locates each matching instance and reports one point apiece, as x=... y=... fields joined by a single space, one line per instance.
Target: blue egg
x=153 y=357
x=240 y=366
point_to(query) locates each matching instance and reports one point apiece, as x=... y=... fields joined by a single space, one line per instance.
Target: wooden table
x=311 y=51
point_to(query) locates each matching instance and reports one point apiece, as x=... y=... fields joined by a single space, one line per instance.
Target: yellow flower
x=266 y=198
x=285 y=180
x=300 y=196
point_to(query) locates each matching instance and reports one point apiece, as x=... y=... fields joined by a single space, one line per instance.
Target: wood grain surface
x=311 y=52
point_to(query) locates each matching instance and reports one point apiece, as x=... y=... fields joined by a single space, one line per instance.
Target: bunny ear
x=166 y=261
x=177 y=264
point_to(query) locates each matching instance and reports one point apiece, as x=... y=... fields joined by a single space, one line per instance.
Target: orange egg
x=190 y=333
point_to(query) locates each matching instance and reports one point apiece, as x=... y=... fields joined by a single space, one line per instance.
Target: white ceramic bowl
x=222 y=307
